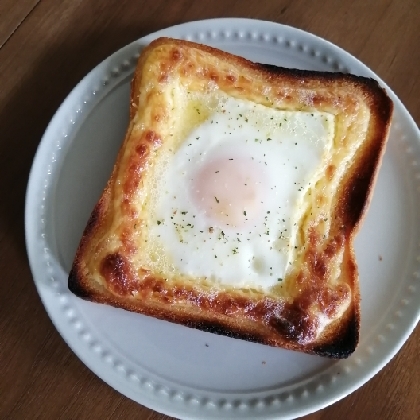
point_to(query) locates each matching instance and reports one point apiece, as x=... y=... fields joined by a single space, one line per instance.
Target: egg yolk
x=230 y=191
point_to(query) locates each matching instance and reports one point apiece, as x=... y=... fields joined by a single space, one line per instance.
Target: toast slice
x=313 y=305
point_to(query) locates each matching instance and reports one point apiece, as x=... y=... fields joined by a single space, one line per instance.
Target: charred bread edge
x=355 y=203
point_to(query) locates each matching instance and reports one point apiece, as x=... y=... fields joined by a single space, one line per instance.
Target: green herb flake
x=217 y=201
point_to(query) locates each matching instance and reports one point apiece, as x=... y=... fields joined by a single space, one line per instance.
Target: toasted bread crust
x=280 y=322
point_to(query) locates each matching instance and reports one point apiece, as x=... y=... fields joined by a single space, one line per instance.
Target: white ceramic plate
x=184 y=372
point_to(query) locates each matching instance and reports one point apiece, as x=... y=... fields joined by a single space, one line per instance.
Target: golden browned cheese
x=316 y=309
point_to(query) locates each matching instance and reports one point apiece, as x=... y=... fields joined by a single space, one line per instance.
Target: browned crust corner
x=345 y=339
x=76 y=285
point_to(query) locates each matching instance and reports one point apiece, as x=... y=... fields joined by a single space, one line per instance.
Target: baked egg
x=228 y=192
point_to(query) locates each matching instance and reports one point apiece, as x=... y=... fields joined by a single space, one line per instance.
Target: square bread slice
x=310 y=304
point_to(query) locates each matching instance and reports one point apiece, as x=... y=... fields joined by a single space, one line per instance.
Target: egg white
x=285 y=151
